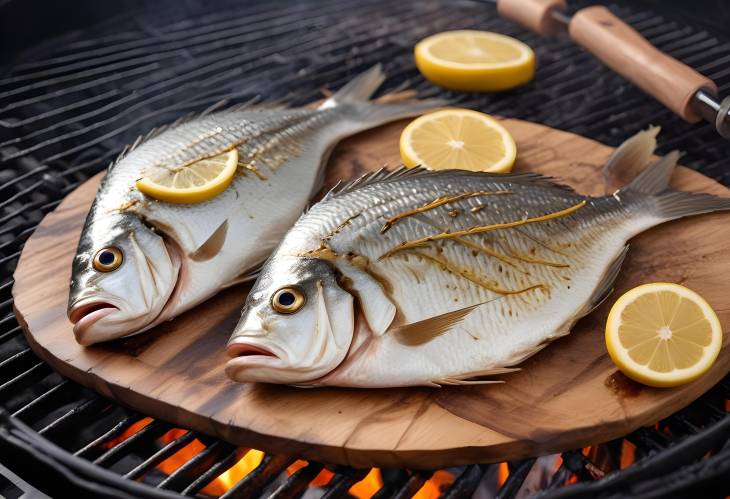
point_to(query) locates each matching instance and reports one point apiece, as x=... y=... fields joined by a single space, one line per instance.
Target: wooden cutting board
x=566 y=397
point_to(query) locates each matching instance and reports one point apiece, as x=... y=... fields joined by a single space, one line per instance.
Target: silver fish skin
x=170 y=257
x=440 y=278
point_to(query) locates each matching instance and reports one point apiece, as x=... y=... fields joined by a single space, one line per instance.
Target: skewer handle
x=629 y=54
x=535 y=15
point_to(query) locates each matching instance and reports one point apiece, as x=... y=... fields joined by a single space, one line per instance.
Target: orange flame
x=223 y=482
x=364 y=489
x=368 y=486
x=322 y=479
x=433 y=487
x=127 y=433
x=502 y=473
x=628 y=454
x=235 y=473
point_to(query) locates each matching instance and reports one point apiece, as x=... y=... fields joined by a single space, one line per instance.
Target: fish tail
x=668 y=204
x=354 y=99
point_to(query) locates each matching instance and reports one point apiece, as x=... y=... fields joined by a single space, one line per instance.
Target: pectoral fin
x=605 y=287
x=213 y=245
x=471 y=378
x=418 y=333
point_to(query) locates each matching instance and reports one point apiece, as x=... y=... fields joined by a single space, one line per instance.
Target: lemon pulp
x=475 y=60
x=663 y=334
x=458 y=138
x=194 y=183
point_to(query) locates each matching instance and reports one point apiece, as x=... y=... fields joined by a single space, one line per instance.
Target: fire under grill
x=69 y=105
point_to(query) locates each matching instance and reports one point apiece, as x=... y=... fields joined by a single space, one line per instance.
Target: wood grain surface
x=567 y=396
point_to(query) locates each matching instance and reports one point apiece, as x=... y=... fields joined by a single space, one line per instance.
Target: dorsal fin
x=383 y=175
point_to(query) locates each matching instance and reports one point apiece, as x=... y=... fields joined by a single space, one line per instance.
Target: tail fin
x=629 y=159
x=359 y=89
x=666 y=203
x=355 y=94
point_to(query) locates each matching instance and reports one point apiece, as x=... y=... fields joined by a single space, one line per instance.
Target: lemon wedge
x=192 y=183
x=663 y=334
x=458 y=138
x=475 y=60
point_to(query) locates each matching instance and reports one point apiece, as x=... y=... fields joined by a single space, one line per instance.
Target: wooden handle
x=532 y=14
x=625 y=51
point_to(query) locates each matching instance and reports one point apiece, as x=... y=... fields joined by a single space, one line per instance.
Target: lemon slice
x=663 y=334
x=475 y=60
x=192 y=183
x=458 y=138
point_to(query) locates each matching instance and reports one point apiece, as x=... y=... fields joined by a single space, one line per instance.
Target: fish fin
x=654 y=179
x=470 y=378
x=464 y=382
x=354 y=99
x=668 y=204
x=402 y=172
x=213 y=245
x=359 y=89
x=243 y=278
x=418 y=333
x=605 y=286
x=629 y=158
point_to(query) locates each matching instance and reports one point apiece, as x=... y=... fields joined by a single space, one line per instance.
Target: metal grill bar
x=219 y=467
x=141 y=439
x=516 y=478
x=71 y=417
x=254 y=483
x=297 y=483
x=162 y=454
x=215 y=458
x=89 y=449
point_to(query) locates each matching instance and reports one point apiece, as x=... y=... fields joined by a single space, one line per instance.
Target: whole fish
x=441 y=278
x=141 y=261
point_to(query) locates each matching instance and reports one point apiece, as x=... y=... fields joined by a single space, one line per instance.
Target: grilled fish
x=141 y=261
x=441 y=278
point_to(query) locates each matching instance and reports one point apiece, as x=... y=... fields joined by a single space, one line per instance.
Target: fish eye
x=288 y=300
x=108 y=259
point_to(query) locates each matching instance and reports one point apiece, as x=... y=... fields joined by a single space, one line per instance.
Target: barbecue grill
x=101 y=74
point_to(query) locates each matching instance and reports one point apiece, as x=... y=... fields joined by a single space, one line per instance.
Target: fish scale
x=434 y=278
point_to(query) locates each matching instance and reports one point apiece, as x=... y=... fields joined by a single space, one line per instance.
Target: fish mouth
x=85 y=314
x=246 y=355
x=241 y=349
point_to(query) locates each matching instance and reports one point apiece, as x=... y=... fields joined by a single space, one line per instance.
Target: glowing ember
x=502 y=473
x=235 y=473
x=364 y=489
x=127 y=433
x=322 y=479
x=628 y=454
x=368 y=486
x=226 y=480
x=435 y=485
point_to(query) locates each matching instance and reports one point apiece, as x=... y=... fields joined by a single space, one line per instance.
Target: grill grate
x=69 y=106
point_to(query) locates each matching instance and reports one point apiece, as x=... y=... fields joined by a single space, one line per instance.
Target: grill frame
x=47 y=178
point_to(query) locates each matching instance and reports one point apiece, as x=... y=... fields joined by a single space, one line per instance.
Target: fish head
x=297 y=324
x=123 y=275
